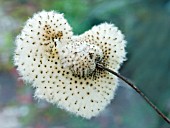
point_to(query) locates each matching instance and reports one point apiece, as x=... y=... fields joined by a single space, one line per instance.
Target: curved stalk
x=137 y=90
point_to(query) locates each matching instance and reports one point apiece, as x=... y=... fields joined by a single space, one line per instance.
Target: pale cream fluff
x=41 y=62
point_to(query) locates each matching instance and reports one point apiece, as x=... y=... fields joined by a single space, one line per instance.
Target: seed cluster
x=80 y=57
x=59 y=65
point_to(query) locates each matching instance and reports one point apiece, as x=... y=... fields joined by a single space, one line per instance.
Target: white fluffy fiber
x=38 y=62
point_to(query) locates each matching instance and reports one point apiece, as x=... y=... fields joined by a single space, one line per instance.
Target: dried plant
x=67 y=70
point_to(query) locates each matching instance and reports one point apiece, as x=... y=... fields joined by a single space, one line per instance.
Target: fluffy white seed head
x=69 y=79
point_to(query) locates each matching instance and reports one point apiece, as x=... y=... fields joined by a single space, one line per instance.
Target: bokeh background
x=146 y=25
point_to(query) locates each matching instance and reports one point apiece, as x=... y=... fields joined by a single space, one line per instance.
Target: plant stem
x=137 y=90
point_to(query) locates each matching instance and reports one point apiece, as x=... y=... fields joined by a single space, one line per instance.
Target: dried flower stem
x=137 y=90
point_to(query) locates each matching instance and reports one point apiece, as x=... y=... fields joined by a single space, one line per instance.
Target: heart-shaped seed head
x=62 y=67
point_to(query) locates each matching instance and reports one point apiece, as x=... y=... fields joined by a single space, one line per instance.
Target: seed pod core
x=80 y=57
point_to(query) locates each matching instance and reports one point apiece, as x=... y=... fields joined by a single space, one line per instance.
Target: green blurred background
x=146 y=25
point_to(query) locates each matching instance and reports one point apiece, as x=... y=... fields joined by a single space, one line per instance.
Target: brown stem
x=137 y=90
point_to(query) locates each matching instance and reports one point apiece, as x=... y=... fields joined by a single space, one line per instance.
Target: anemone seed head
x=62 y=67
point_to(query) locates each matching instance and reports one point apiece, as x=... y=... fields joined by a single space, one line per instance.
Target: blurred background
x=146 y=25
